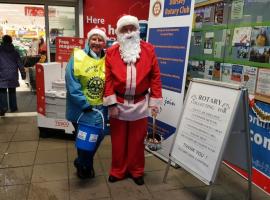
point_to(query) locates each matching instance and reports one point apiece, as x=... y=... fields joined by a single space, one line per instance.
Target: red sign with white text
x=104 y=14
x=38 y=11
x=65 y=46
x=34 y=11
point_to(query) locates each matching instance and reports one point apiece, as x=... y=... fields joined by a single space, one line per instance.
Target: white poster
x=205 y=123
x=249 y=78
x=263 y=82
x=169 y=30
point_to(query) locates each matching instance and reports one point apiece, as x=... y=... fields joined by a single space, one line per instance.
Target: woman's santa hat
x=127 y=20
x=97 y=31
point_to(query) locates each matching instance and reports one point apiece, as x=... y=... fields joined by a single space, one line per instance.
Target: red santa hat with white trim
x=97 y=31
x=127 y=20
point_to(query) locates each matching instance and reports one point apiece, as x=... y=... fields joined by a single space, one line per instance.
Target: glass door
x=61 y=23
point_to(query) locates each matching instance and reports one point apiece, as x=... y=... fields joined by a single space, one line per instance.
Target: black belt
x=131 y=97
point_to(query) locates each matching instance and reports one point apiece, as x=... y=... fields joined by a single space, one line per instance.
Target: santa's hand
x=154 y=110
x=113 y=111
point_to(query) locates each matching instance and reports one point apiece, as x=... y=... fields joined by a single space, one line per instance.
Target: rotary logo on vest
x=95 y=87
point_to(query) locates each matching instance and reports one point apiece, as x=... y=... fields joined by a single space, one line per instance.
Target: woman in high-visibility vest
x=85 y=74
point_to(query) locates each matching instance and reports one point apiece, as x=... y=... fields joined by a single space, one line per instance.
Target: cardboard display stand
x=214 y=119
x=51 y=105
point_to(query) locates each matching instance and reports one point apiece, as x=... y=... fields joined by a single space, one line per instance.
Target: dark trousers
x=11 y=99
x=86 y=158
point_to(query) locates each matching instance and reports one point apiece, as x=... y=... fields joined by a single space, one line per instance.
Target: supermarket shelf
x=197 y=5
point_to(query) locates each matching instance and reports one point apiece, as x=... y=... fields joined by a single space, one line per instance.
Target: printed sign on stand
x=207 y=122
x=65 y=46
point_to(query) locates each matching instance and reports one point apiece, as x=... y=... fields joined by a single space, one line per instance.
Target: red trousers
x=127 y=139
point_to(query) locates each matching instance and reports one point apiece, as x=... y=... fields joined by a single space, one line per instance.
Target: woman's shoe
x=13 y=110
x=2 y=113
x=81 y=171
x=92 y=173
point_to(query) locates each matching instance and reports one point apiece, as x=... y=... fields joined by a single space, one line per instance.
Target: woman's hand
x=113 y=111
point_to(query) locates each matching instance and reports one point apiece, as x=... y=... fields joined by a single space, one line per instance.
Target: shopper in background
x=85 y=74
x=131 y=70
x=42 y=50
x=10 y=63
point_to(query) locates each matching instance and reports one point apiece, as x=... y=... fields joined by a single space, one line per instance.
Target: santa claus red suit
x=131 y=87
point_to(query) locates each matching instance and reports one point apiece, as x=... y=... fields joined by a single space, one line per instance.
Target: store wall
x=104 y=14
x=231 y=43
x=54 y=2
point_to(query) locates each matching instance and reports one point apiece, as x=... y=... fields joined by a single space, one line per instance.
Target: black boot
x=2 y=113
x=138 y=180
x=113 y=179
x=81 y=171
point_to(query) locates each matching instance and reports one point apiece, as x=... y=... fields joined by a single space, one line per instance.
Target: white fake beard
x=129 y=46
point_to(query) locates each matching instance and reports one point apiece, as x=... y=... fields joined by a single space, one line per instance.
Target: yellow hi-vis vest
x=91 y=74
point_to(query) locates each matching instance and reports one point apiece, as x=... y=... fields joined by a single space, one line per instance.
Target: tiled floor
x=42 y=169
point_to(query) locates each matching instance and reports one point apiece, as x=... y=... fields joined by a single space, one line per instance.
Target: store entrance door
x=27 y=24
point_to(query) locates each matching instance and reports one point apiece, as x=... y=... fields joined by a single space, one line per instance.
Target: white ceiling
x=14 y=15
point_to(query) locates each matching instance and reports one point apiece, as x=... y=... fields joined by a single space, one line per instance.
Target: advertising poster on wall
x=249 y=78
x=259 y=116
x=208 y=43
x=237 y=72
x=100 y=14
x=241 y=36
x=171 y=46
x=169 y=29
x=226 y=72
x=263 y=82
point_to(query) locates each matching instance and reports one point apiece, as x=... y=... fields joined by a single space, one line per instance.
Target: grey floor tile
x=18 y=159
x=104 y=151
x=186 y=178
x=3 y=147
x=51 y=156
x=30 y=127
x=8 y=128
x=6 y=137
x=106 y=140
x=15 y=176
x=72 y=154
x=106 y=165
x=59 y=181
x=22 y=146
x=154 y=181
x=53 y=190
x=71 y=144
x=26 y=136
x=154 y=164
x=127 y=189
x=218 y=192
x=49 y=144
x=50 y=172
x=175 y=195
x=89 y=189
x=16 y=192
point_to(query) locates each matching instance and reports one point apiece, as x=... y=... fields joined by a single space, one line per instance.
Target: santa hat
x=97 y=31
x=127 y=20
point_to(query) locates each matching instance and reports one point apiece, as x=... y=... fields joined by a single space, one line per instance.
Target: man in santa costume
x=132 y=87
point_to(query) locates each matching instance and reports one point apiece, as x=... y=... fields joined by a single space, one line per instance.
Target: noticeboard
x=204 y=128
